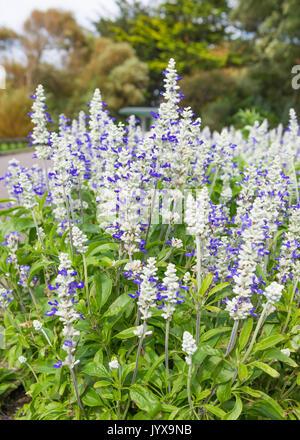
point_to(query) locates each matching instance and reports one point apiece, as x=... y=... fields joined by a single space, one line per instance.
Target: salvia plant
x=152 y=275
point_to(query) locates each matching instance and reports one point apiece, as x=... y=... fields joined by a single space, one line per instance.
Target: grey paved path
x=25 y=159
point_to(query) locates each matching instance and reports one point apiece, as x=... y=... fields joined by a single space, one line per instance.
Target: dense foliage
x=152 y=275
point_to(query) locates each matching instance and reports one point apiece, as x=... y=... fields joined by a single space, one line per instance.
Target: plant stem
x=189 y=389
x=86 y=284
x=12 y=321
x=167 y=353
x=198 y=270
x=76 y=392
x=33 y=299
x=46 y=336
x=37 y=229
x=214 y=181
x=258 y=326
x=290 y=307
x=69 y=221
x=30 y=367
x=138 y=353
x=232 y=337
x=81 y=204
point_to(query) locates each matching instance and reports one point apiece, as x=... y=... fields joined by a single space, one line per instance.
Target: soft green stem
x=198 y=270
x=295 y=178
x=167 y=353
x=189 y=389
x=12 y=321
x=290 y=307
x=69 y=220
x=77 y=393
x=33 y=299
x=32 y=370
x=81 y=204
x=258 y=326
x=136 y=366
x=46 y=336
x=37 y=229
x=214 y=181
x=86 y=284
x=232 y=337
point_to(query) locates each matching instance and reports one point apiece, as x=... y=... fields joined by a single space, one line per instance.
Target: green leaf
x=119 y=305
x=224 y=391
x=22 y=224
x=217 y=288
x=245 y=333
x=213 y=332
x=268 y=342
x=275 y=353
x=266 y=368
x=236 y=411
x=36 y=267
x=215 y=410
x=242 y=372
x=269 y=408
x=97 y=370
x=145 y=399
x=251 y=391
x=96 y=248
x=103 y=288
x=127 y=333
x=102 y=383
x=205 y=285
x=92 y=398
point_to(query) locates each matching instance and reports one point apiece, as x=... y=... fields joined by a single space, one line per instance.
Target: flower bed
x=152 y=276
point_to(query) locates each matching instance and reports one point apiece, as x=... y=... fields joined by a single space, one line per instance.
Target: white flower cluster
x=170 y=281
x=188 y=346
x=288 y=265
x=239 y=307
x=5 y=298
x=141 y=331
x=147 y=298
x=40 y=132
x=37 y=325
x=197 y=213
x=22 y=359
x=65 y=309
x=176 y=243
x=114 y=364
x=273 y=292
x=79 y=240
x=136 y=266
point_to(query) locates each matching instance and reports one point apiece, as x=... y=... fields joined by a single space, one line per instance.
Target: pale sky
x=13 y=13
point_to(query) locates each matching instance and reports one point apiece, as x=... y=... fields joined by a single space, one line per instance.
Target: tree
x=189 y=30
x=115 y=69
x=271 y=31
